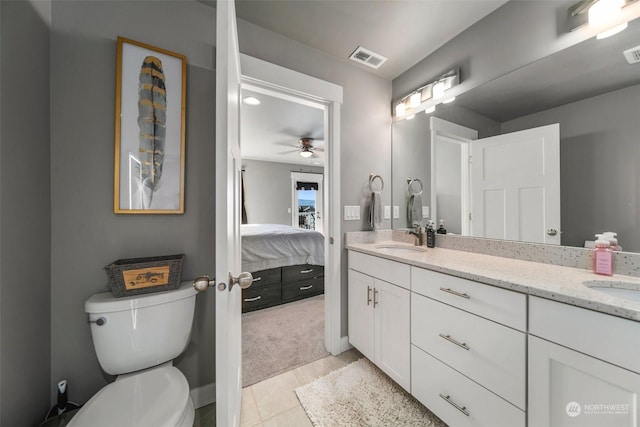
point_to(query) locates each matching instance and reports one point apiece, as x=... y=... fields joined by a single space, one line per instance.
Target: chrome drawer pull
x=459 y=344
x=462 y=409
x=448 y=290
x=306 y=271
x=257 y=279
x=253 y=299
x=368 y=295
x=305 y=288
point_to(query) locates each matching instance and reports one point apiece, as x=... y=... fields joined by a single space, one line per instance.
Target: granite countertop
x=563 y=284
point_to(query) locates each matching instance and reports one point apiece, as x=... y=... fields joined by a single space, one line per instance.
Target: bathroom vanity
x=489 y=341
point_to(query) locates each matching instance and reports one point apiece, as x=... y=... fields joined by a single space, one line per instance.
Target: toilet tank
x=142 y=331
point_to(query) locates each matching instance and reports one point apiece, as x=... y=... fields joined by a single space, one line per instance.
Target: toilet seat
x=158 y=397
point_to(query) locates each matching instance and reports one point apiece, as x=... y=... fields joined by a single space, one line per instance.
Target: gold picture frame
x=149 y=129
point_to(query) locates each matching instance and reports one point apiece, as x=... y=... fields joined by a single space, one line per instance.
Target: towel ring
x=372 y=177
x=410 y=182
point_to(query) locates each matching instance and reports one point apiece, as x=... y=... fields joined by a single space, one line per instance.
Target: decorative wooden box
x=135 y=276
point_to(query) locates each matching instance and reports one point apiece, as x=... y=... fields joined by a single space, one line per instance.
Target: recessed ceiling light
x=251 y=100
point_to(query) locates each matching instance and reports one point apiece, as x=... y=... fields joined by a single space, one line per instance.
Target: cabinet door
x=392 y=332
x=360 y=294
x=571 y=389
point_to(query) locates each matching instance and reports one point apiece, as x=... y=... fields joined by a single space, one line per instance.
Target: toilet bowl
x=136 y=338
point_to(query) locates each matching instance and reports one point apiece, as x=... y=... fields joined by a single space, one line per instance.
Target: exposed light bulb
x=400 y=109
x=448 y=100
x=415 y=100
x=430 y=109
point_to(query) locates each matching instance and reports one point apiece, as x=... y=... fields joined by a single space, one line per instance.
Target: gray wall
x=24 y=213
x=267 y=187
x=86 y=234
x=516 y=34
x=599 y=165
x=365 y=121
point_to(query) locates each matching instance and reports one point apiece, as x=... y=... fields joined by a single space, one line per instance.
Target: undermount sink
x=625 y=290
x=401 y=249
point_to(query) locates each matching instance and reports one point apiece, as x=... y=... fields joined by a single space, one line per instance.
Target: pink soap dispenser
x=602 y=257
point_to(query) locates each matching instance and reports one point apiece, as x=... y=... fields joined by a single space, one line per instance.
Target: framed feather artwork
x=149 y=130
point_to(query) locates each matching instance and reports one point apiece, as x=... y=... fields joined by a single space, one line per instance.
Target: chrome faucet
x=418 y=234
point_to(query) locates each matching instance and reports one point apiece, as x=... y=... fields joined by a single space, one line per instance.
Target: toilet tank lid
x=106 y=303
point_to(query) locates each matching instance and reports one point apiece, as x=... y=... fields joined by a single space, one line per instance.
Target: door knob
x=244 y=280
x=552 y=232
x=202 y=283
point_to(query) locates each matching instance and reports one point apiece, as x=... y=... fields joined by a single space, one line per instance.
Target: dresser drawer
x=302 y=289
x=255 y=298
x=456 y=399
x=266 y=277
x=296 y=273
x=500 y=305
x=489 y=353
x=390 y=271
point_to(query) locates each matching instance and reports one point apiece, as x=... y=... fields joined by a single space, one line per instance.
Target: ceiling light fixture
x=428 y=95
x=251 y=100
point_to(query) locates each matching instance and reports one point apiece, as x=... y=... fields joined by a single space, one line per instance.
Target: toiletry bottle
x=441 y=229
x=613 y=240
x=602 y=257
x=431 y=235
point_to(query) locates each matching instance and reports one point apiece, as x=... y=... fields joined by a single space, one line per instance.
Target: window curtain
x=243 y=197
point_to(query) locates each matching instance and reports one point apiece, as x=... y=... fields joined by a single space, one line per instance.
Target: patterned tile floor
x=272 y=402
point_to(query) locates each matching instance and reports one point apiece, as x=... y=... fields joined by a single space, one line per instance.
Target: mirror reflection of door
x=307 y=201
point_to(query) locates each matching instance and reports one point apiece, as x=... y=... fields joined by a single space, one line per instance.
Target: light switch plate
x=387 y=212
x=396 y=212
x=351 y=213
x=425 y=212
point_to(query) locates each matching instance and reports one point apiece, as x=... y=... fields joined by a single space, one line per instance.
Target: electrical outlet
x=425 y=212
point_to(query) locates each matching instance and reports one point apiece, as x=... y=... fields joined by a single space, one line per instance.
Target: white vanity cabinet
x=468 y=350
x=379 y=304
x=584 y=370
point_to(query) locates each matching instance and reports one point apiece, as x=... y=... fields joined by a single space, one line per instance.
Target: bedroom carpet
x=361 y=395
x=278 y=339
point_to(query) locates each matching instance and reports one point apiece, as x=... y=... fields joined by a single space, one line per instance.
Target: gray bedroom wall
x=516 y=34
x=267 y=187
x=599 y=133
x=86 y=234
x=24 y=213
x=365 y=121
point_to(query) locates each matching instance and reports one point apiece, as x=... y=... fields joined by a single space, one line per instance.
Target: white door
x=515 y=180
x=295 y=214
x=228 y=297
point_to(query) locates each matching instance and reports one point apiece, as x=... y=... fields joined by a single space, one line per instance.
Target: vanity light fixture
x=606 y=16
x=411 y=117
x=430 y=109
x=251 y=100
x=427 y=95
x=448 y=100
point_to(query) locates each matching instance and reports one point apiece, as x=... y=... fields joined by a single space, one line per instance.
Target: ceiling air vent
x=632 y=55
x=367 y=57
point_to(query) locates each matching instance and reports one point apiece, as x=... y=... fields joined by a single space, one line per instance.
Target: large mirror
x=593 y=93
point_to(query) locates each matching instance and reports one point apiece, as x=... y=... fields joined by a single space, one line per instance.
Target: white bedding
x=267 y=246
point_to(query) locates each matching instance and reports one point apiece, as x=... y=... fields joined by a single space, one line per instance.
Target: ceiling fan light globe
x=306 y=154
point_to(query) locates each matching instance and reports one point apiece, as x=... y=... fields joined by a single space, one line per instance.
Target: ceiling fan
x=305 y=147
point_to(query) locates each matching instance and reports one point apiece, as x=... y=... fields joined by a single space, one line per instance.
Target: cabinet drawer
x=254 y=298
x=303 y=288
x=491 y=354
x=432 y=381
x=296 y=273
x=500 y=305
x=390 y=271
x=600 y=335
x=266 y=277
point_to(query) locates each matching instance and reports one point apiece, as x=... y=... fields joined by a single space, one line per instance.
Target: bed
x=287 y=264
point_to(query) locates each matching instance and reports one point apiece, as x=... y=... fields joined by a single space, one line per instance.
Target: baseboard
x=203 y=396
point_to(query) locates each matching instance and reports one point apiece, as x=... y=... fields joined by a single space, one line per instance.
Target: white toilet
x=136 y=338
